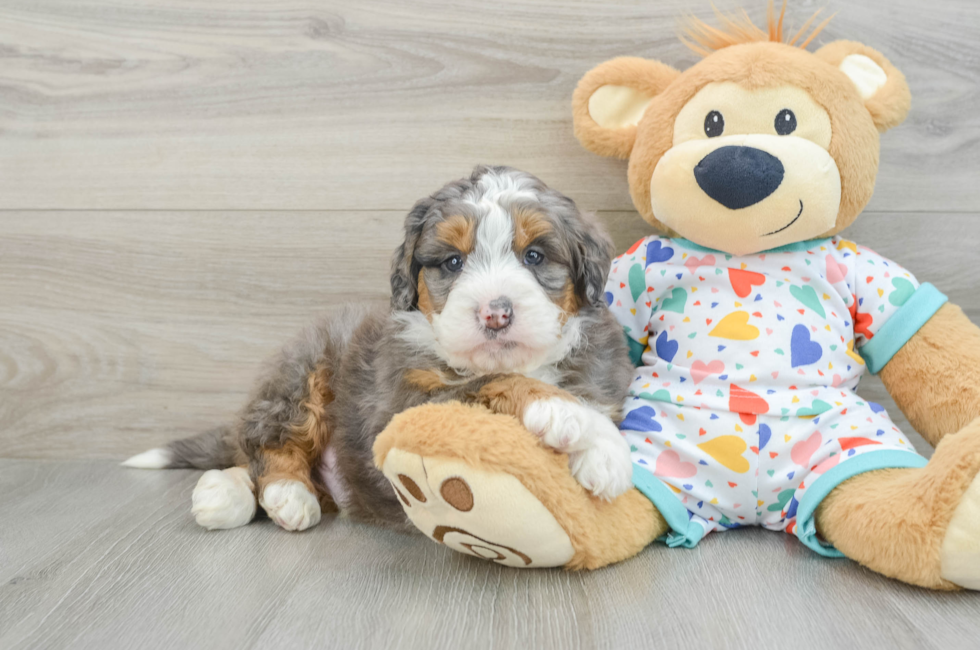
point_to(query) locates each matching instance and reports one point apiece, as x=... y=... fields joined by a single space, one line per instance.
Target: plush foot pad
x=291 y=505
x=223 y=499
x=961 y=546
x=489 y=515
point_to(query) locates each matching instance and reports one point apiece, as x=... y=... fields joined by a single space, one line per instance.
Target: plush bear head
x=760 y=144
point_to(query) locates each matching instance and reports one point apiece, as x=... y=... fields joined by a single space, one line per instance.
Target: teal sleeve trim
x=902 y=326
x=636 y=350
x=806 y=528
x=683 y=531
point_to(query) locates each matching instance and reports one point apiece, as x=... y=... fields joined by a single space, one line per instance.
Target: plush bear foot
x=919 y=525
x=486 y=514
x=481 y=484
x=961 y=545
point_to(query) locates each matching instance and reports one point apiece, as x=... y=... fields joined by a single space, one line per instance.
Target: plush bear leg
x=481 y=484
x=921 y=526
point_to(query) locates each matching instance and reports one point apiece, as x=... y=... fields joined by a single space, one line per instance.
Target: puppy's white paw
x=565 y=425
x=605 y=469
x=223 y=499
x=291 y=505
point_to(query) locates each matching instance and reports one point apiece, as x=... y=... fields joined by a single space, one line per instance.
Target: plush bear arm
x=935 y=377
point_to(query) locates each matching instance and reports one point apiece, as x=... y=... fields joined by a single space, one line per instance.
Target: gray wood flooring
x=111 y=558
x=183 y=184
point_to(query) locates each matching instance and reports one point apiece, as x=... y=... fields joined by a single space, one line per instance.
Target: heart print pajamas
x=743 y=409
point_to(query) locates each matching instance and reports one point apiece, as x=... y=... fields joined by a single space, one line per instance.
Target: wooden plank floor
x=183 y=184
x=112 y=558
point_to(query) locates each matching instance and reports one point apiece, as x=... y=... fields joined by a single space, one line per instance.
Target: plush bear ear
x=880 y=84
x=610 y=100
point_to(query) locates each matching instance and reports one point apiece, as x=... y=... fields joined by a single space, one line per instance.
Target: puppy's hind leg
x=287 y=492
x=289 y=488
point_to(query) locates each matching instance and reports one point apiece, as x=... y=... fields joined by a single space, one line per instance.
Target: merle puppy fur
x=497 y=299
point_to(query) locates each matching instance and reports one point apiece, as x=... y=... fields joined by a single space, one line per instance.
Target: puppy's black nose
x=738 y=177
x=498 y=314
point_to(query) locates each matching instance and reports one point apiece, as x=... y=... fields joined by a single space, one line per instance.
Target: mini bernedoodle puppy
x=497 y=299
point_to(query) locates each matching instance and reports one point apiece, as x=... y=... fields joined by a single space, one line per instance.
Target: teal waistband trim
x=795 y=247
x=683 y=531
x=806 y=527
x=902 y=326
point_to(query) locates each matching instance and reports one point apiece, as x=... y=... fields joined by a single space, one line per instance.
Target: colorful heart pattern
x=701 y=370
x=803 y=351
x=735 y=326
x=669 y=465
x=749 y=397
x=728 y=451
x=725 y=474
x=743 y=281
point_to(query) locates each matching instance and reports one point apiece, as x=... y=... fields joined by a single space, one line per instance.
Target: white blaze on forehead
x=495 y=229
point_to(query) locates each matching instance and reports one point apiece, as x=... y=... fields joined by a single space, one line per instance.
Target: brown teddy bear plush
x=750 y=322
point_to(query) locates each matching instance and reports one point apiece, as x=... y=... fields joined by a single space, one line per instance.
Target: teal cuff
x=683 y=531
x=636 y=350
x=806 y=528
x=902 y=326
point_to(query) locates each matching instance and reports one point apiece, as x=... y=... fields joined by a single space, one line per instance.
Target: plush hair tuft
x=738 y=29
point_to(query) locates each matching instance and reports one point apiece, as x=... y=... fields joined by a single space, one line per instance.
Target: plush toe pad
x=489 y=515
x=961 y=546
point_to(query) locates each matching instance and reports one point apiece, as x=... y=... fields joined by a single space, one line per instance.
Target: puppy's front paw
x=223 y=499
x=605 y=469
x=562 y=424
x=291 y=505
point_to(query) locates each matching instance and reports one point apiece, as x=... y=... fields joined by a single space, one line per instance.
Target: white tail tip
x=158 y=458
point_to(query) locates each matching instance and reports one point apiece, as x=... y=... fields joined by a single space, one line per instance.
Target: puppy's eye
x=453 y=264
x=533 y=258
x=785 y=122
x=714 y=124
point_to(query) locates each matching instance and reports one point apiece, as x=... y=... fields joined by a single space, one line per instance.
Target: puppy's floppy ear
x=592 y=255
x=610 y=100
x=881 y=85
x=404 y=268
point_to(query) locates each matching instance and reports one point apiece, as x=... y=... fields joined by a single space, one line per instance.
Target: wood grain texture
x=319 y=104
x=121 y=331
x=106 y=557
x=185 y=184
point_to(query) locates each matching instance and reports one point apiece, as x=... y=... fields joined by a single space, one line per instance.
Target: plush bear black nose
x=738 y=177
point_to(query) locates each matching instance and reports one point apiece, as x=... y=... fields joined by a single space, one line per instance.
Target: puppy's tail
x=214 y=449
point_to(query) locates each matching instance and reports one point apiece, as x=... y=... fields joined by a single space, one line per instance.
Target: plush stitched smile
x=789 y=224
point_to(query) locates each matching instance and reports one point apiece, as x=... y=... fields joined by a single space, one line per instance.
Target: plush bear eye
x=714 y=124
x=453 y=264
x=785 y=122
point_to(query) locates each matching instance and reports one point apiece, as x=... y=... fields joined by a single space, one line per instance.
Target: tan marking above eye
x=457 y=493
x=412 y=488
x=457 y=231
x=528 y=226
x=752 y=112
